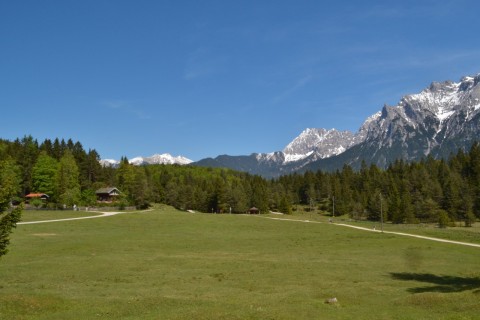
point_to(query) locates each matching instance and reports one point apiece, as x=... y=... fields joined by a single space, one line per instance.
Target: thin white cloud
x=424 y=60
x=399 y=10
x=202 y=63
x=292 y=89
x=128 y=108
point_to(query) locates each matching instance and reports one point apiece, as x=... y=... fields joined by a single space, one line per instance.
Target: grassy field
x=166 y=264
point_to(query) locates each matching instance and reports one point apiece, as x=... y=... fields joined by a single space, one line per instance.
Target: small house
x=107 y=194
x=41 y=196
x=253 y=210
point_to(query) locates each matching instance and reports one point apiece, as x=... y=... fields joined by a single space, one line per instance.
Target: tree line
x=62 y=169
x=429 y=190
x=426 y=191
x=70 y=175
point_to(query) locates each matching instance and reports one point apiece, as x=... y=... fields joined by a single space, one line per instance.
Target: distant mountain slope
x=310 y=145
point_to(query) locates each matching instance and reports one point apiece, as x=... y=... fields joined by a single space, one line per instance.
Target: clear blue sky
x=203 y=78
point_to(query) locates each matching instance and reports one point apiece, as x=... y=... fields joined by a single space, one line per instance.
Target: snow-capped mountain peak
x=323 y=142
x=443 y=99
x=109 y=162
x=137 y=161
x=165 y=158
x=425 y=122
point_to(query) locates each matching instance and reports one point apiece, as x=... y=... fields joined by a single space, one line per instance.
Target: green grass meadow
x=166 y=264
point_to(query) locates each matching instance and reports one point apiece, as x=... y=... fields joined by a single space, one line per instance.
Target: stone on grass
x=331 y=301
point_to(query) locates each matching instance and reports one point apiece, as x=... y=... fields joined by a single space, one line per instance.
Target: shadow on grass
x=444 y=284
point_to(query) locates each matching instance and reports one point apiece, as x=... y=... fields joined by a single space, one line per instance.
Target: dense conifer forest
x=441 y=191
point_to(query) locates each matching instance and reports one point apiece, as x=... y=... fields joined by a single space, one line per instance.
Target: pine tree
x=47 y=147
x=9 y=187
x=238 y=198
x=90 y=169
x=139 y=189
x=260 y=194
x=474 y=174
x=67 y=184
x=26 y=158
x=44 y=175
x=285 y=205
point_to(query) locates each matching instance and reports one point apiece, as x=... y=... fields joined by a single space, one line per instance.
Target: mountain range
x=165 y=158
x=439 y=120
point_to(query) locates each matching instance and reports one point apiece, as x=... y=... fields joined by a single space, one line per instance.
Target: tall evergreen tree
x=47 y=147
x=474 y=175
x=9 y=187
x=68 y=186
x=26 y=158
x=90 y=169
x=260 y=195
x=44 y=174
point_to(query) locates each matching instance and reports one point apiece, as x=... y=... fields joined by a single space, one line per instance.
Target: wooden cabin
x=41 y=196
x=253 y=210
x=107 y=194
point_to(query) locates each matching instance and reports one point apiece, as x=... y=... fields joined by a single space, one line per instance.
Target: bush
x=443 y=219
x=469 y=219
x=37 y=203
x=122 y=205
x=143 y=206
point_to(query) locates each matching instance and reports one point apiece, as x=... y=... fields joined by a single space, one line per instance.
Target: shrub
x=443 y=219
x=37 y=203
x=469 y=219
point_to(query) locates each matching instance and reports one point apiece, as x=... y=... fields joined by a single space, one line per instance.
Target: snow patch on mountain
x=296 y=157
x=443 y=115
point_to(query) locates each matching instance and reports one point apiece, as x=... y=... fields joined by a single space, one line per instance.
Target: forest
x=431 y=190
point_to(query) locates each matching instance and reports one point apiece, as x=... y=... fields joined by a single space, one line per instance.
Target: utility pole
x=312 y=207
x=381 y=213
x=333 y=212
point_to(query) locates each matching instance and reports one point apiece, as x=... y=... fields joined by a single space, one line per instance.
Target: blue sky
x=204 y=78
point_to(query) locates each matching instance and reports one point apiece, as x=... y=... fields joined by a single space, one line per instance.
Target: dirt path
x=379 y=231
x=102 y=215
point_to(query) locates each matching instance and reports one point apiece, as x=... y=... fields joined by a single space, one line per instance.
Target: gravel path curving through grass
x=379 y=231
x=102 y=215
